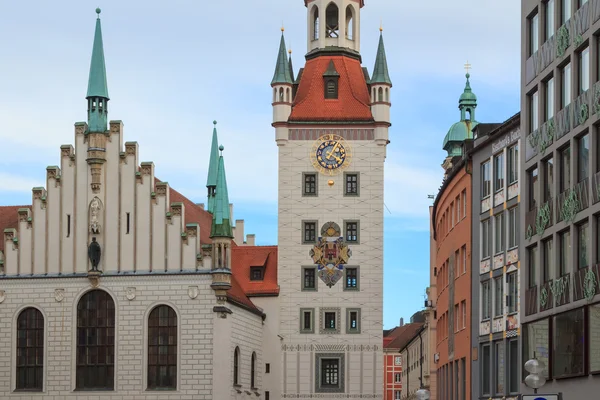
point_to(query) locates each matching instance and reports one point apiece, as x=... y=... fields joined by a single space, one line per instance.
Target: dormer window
x=257 y=273
x=331 y=79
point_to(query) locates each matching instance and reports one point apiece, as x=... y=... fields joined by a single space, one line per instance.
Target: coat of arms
x=330 y=254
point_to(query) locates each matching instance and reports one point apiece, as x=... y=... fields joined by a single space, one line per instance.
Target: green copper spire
x=291 y=66
x=221 y=223
x=463 y=129
x=282 y=69
x=97 y=94
x=380 y=71
x=213 y=168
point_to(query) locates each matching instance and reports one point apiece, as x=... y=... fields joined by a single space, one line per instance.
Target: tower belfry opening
x=315 y=35
x=349 y=23
x=332 y=21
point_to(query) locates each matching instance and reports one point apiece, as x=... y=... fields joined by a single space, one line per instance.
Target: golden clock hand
x=329 y=154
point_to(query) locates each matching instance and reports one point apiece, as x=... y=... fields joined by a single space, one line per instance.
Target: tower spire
x=282 y=68
x=221 y=223
x=290 y=64
x=380 y=71
x=97 y=93
x=213 y=168
x=468 y=100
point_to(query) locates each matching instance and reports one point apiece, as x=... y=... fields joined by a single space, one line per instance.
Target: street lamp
x=423 y=394
x=534 y=380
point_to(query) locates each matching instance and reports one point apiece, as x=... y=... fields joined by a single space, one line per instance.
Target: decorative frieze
x=161 y=188
x=147 y=168
x=176 y=209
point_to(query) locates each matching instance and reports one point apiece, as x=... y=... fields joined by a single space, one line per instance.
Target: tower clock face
x=330 y=154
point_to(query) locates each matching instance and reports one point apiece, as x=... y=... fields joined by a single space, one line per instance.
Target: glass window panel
x=162 y=340
x=500 y=230
x=568 y=344
x=485 y=370
x=486 y=306
x=594 y=337
x=534 y=189
x=584 y=70
x=534 y=23
x=548 y=262
x=583 y=245
x=485 y=180
x=548 y=179
x=499 y=367
x=583 y=157
x=536 y=343
x=566 y=11
x=513 y=164
x=30 y=350
x=499 y=172
x=565 y=166
x=566 y=85
x=513 y=367
x=550 y=98
x=549 y=19
x=498 y=297
x=532 y=258
x=534 y=106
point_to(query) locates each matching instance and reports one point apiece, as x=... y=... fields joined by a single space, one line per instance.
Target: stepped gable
x=9 y=218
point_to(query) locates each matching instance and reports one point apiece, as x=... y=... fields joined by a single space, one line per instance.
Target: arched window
x=162 y=348
x=281 y=94
x=288 y=98
x=96 y=341
x=30 y=349
x=236 y=366
x=274 y=95
x=387 y=95
x=315 y=35
x=349 y=23
x=380 y=94
x=332 y=21
x=253 y=371
x=468 y=114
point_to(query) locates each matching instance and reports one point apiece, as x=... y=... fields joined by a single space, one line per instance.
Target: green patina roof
x=380 y=72
x=213 y=168
x=282 y=69
x=291 y=66
x=463 y=129
x=97 y=86
x=221 y=223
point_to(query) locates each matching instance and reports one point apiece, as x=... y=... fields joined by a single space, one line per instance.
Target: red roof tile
x=9 y=218
x=402 y=335
x=353 y=103
x=244 y=257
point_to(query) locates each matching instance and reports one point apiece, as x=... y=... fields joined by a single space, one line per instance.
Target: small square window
x=351 y=229
x=330 y=320
x=309 y=234
x=309 y=281
x=353 y=320
x=256 y=273
x=307 y=322
x=309 y=184
x=351 y=281
x=352 y=182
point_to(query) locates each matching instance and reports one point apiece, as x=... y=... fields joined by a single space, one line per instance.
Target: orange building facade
x=451 y=218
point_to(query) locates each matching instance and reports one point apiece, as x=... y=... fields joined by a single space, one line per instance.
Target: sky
x=174 y=69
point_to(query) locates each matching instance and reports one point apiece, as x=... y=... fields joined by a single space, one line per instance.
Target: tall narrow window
x=253 y=371
x=513 y=292
x=566 y=85
x=332 y=21
x=485 y=370
x=485 y=239
x=236 y=366
x=315 y=35
x=565 y=253
x=548 y=260
x=532 y=266
x=456 y=318
x=513 y=164
x=513 y=366
x=533 y=189
x=549 y=98
x=548 y=179
x=583 y=157
x=349 y=23
x=499 y=172
x=565 y=11
x=310 y=184
x=128 y=222
x=464 y=202
x=534 y=29
x=584 y=70
x=162 y=348
x=310 y=232
x=485 y=180
x=534 y=107
x=464 y=259
x=486 y=300
x=463 y=308
x=549 y=19
x=500 y=231
x=583 y=245
x=30 y=350
x=68 y=225
x=498 y=368
x=498 y=297
x=513 y=223
x=565 y=169
x=330 y=373
x=96 y=341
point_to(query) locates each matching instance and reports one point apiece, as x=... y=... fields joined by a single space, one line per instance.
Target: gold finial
x=290 y=51
x=381 y=26
x=467 y=67
x=282 y=27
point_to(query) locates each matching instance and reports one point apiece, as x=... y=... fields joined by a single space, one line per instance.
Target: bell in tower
x=332 y=21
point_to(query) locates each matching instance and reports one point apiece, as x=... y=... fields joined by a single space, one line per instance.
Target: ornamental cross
x=467 y=66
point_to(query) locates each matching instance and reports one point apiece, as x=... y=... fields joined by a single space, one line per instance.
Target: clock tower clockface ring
x=330 y=154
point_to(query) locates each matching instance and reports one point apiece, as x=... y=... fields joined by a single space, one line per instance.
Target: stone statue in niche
x=94 y=253
x=95 y=210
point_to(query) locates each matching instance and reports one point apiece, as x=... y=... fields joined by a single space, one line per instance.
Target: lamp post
x=423 y=394
x=535 y=380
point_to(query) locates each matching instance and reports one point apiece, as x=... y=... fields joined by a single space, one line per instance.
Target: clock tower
x=331 y=128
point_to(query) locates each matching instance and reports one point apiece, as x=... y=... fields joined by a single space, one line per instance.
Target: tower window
x=316 y=23
x=349 y=23
x=351 y=187
x=309 y=232
x=332 y=21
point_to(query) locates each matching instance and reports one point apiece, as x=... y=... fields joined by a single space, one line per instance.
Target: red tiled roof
x=9 y=218
x=244 y=257
x=353 y=103
x=401 y=336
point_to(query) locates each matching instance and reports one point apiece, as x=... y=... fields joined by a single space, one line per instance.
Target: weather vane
x=467 y=66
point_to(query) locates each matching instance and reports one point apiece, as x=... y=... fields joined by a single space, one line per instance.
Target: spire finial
x=221 y=148
x=282 y=27
x=215 y=122
x=468 y=68
x=381 y=26
x=290 y=51
x=98 y=11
